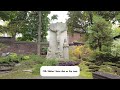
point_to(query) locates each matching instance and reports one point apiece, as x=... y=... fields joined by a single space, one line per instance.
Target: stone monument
x=58 y=41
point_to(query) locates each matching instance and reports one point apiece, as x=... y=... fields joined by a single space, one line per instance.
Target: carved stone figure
x=58 y=41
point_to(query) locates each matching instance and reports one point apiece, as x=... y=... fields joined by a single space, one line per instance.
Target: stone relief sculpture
x=58 y=42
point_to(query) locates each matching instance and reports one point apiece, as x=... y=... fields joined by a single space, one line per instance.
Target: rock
x=5 y=54
x=27 y=70
x=118 y=62
x=118 y=65
x=17 y=64
x=5 y=68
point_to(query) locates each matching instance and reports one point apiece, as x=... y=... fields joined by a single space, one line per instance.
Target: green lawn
x=18 y=75
x=85 y=71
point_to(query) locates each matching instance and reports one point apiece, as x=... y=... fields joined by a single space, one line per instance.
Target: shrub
x=4 y=60
x=36 y=70
x=44 y=51
x=114 y=68
x=13 y=57
x=45 y=63
x=37 y=58
x=73 y=58
x=89 y=63
x=80 y=52
x=99 y=57
x=106 y=68
x=115 y=49
x=118 y=62
x=109 y=63
x=118 y=71
x=86 y=74
x=118 y=65
x=93 y=67
x=26 y=57
x=84 y=70
x=50 y=63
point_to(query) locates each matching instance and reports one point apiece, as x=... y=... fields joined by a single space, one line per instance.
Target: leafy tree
x=115 y=49
x=26 y=23
x=30 y=33
x=99 y=33
x=108 y=15
x=83 y=19
x=16 y=21
x=78 y=19
x=116 y=31
x=54 y=17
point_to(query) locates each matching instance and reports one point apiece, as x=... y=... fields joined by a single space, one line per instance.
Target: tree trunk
x=13 y=36
x=99 y=45
x=39 y=35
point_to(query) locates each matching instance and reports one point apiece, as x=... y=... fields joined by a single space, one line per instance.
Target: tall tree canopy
x=95 y=24
x=30 y=32
x=83 y=19
x=16 y=21
x=26 y=23
x=100 y=33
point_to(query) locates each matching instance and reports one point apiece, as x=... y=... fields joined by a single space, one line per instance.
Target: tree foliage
x=116 y=31
x=99 y=33
x=78 y=19
x=16 y=21
x=26 y=23
x=54 y=17
x=115 y=49
x=83 y=19
x=30 y=31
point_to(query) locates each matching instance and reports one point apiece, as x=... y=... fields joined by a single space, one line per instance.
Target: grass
x=34 y=64
x=87 y=75
x=18 y=75
x=85 y=71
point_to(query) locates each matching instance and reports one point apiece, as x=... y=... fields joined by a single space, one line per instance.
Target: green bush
x=118 y=62
x=93 y=67
x=105 y=68
x=93 y=70
x=37 y=58
x=109 y=63
x=114 y=68
x=116 y=48
x=99 y=57
x=84 y=70
x=73 y=58
x=50 y=63
x=13 y=57
x=45 y=63
x=4 y=60
x=36 y=70
x=118 y=65
x=98 y=63
x=118 y=71
x=26 y=57
x=88 y=63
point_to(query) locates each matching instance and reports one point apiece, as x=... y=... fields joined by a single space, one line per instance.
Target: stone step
x=5 y=68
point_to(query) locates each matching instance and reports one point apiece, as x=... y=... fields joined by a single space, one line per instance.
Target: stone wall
x=19 y=47
x=75 y=37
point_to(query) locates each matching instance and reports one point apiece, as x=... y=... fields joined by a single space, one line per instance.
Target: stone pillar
x=66 y=50
x=58 y=41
